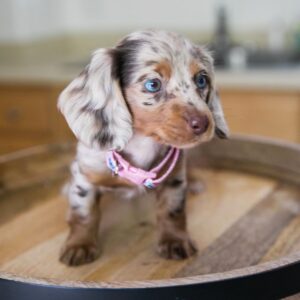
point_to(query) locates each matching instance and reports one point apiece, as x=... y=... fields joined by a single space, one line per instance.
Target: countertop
x=61 y=74
x=58 y=60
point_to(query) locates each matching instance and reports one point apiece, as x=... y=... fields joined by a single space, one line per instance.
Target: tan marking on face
x=164 y=69
x=167 y=123
x=194 y=68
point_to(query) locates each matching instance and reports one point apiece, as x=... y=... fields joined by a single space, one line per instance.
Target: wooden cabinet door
x=29 y=117
x=269 y=114
x=24 y=109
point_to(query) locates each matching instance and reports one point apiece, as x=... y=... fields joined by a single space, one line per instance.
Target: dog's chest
x=141 y=152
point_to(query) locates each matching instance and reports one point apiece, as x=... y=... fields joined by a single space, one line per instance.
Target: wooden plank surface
x=33 y=238
x=247 y=241
x=237 y=220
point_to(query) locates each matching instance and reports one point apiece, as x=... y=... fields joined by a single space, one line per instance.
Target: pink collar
x=121 y=167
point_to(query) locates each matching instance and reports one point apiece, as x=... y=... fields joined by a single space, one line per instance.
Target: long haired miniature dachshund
x=134 y=109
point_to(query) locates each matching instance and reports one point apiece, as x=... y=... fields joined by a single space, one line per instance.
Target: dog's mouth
x=186 y=145
x=184 y=141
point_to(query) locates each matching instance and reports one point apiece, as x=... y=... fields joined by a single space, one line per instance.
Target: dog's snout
x=199 y=124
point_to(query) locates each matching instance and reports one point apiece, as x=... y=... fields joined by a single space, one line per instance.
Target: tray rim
x=284 y=263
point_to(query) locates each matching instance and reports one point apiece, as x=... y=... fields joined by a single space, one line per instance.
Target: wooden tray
x=245 y=221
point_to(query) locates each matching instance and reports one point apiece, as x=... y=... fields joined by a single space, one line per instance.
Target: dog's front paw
x=78 y=254
x=172 y=247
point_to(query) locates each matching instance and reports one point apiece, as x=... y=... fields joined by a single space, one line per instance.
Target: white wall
x=28 y=19
x=22 y=20
x=7 y=27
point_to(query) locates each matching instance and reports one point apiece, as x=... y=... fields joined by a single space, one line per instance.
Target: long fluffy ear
x=94 y=107
x=215 y=106
x=214 y=103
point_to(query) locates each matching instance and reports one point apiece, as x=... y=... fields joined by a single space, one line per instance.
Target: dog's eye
x=153 y=85
x=201 y=81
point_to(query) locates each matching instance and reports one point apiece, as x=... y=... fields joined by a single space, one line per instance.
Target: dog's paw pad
x=175 y=248
x=76 y=255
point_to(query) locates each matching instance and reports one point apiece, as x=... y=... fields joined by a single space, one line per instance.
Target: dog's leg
x=83 y=218
x=173 y=240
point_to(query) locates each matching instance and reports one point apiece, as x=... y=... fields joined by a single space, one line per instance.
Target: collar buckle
x=120 y=167
x=113 y=166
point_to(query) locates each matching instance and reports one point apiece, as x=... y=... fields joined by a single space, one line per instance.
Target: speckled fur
x=107 y=107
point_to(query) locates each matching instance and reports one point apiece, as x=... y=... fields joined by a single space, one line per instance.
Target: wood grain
x=46 y=163
x=238 y=220
x=128 y=244
x=248 y=239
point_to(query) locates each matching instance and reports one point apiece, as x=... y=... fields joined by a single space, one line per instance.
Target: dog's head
x=153 y=82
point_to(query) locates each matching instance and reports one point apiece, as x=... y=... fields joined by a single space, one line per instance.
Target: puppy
x=134 y=109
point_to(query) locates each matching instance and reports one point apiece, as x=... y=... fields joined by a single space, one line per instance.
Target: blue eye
x=152 y=85
x=201 y=81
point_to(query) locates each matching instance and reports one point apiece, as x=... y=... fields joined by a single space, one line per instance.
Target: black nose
x=199 y=124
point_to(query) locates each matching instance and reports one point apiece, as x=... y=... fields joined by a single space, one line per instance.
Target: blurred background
x=46 y=43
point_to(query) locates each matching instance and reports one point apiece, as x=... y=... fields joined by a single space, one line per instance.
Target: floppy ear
x=94 y=107
x=215 y=106
x=214 y=103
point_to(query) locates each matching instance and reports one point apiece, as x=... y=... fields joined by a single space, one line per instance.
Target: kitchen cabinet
x=29 y=115
x=267 y=113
